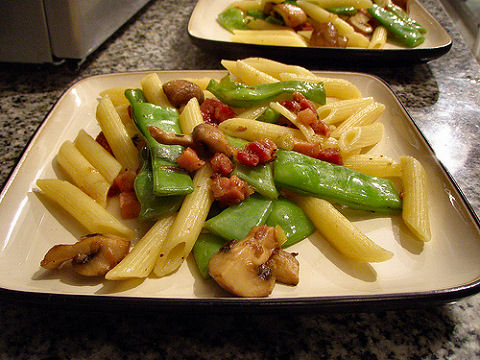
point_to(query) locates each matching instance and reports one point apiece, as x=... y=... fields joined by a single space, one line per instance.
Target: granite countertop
x=443 y=98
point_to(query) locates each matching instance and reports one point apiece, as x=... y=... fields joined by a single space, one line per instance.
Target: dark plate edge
x=362 y=303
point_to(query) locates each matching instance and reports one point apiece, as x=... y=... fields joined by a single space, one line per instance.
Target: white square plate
x=444 y=269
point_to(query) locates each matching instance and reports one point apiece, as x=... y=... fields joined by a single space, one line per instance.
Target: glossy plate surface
x=205 y=31
x=441 y=270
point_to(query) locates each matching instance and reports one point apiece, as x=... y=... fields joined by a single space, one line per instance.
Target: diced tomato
x=129 y=205
x=332 y=155
x=102 y=140
x=189 y=160
x=214 y=111
x=221 y=164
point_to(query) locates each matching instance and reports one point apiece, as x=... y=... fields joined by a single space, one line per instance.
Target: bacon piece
x=102 y=140
x=129 y=205
x=123 y=183
x=189 y=160
x=257 y=152
x=298 y=103
x=307 y=116
x=320 y=128
x=214 y=111
x=230 y=191
x=331 y=155
x=221 y=164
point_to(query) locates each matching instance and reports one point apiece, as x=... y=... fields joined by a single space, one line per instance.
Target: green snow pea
x=343 y=10
x=397 y=10
x=232 y=19
x=256 y=14
x=168 y=179
x=241 y=95
x=236 y=221
x=260 y=177
x=291 y=218
x=153 y=207
x=205 y=247
x=399 y=28
x=309 y=176
x=269 y=116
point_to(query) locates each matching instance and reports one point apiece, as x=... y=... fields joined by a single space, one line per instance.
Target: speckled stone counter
x=442 y=96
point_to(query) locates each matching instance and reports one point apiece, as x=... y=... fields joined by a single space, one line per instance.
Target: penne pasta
x=96 y=155
x=373 y=165
x=252 y=76
x=378 y=38
x=275 y=68
x=268 y=37
x=123 y=112
x=339 y=231
x=335 y=112
x=360 y=137
x=334 y=87
x=116 y=95
x=357 y=4
x=83 y=208
x=252 y=130
x=415 y=213
x=116 y=134
x=153 y=90
x=82 y=173
x=191 y=116
x=366 y=115
x=187 y=226
x=358 y=40
x=253 y=112
x=140 y=261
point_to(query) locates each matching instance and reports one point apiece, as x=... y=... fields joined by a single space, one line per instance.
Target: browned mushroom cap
x=360 y=21
x=208 y=139
x=240 y=266
x=285 y=267
x=292 y=15
x=179 y=92
x=93 y=255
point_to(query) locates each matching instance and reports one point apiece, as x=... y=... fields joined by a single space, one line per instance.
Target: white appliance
x=48 y=31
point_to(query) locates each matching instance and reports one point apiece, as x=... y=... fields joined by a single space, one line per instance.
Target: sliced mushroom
x=206 y=140
x=360 y=21
x=325 y=35
x=93 y=255
x=179 y=92
x=285 y=267
x=241 y=268
x=292 y=15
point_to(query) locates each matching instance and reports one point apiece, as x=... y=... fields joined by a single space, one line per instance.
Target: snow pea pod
x=291 y=218
x=399 y=28
x=236 y=221
x=397 y=10
x=205 y=247
x=168 y=179
x=241 y=95
x=343 y=10
x=260 y=177
x=309 y=176
x=232 y=19
x=153 y=207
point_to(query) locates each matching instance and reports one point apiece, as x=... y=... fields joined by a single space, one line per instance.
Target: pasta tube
x=252 y=130
x=115 y=133
x=140 y=261
x=116 y=95
x=339 y=111
x=187 y=226
x=415 y=213
x=83 y=174
x=365 y=116
x=378 y=38
x=153 y=91
x=373 y=165
x=83 y=208
x=96 y=155
x=339 y=231
x=360 y=137
x=191 y=116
